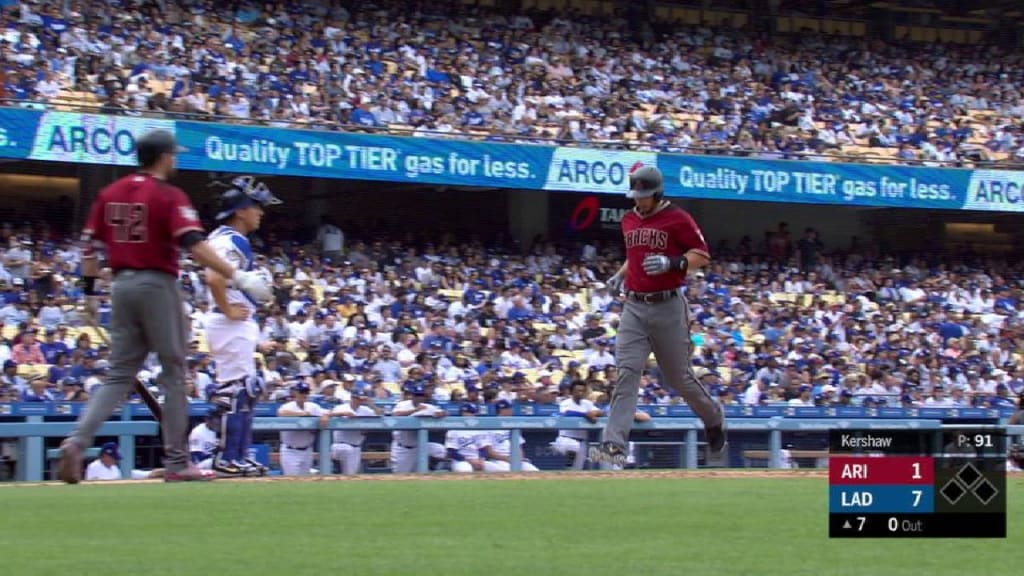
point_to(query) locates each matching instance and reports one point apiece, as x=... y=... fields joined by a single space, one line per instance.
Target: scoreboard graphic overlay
x=917 y=484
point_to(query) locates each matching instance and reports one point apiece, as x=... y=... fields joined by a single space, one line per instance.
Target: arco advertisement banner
x=101 y=139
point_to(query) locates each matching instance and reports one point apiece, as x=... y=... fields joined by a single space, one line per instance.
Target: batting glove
x=657 y=264
x=254 y=284
x=615 y=283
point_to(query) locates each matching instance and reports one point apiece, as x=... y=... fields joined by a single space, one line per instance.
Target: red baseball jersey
x=670 y=231
x=141 y=219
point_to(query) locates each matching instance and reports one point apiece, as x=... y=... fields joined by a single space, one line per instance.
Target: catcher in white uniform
x=297 y=446
x=464 y=446
x=497 y=445
x=231 y=331
x=347 y=447
x=404 y=444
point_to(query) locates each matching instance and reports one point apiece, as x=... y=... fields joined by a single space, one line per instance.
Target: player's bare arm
x=493 y=454
x=405 y=411
x=696 y=259
x=90 y=272
x=218 y=285
x=618 y=280
x=431 y=414
x=206 y=256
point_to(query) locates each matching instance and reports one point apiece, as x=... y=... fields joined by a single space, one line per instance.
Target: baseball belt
x=652 y=297
x=297 y=448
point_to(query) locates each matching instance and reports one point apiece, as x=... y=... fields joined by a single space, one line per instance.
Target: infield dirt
x=446 y=476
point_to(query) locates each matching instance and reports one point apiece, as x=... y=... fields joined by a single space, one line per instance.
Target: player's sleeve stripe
x=699 y=253
x=185 y=230
x=241 y=244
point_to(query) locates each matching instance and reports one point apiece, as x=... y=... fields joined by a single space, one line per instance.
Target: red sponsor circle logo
x=585 y=214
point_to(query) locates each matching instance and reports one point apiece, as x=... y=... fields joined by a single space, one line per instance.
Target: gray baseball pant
x=146 y=316
x=664 y=328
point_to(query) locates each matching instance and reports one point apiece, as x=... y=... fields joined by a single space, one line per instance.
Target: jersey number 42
x=127 y=221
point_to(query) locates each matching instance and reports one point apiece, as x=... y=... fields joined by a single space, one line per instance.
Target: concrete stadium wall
x=730 y=221
x=597 y=216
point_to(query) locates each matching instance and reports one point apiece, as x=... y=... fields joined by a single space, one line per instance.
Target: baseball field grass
x=676 y=524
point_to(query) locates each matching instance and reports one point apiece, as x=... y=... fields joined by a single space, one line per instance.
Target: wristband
x=679 y=263
x=90 y=285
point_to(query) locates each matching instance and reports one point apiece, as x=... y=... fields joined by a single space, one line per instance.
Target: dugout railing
x=30 y=434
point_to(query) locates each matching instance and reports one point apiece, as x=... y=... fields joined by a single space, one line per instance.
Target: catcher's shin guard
x=253 y=388
x=232 y=400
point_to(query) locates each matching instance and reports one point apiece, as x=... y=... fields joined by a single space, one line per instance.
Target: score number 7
x=917 y=497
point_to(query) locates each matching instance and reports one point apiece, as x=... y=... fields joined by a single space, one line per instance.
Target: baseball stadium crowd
x=453 y=70
x=786 y=322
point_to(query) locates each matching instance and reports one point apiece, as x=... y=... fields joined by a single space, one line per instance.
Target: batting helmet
x=645 y=182
x=151 y=145
x=244 y=192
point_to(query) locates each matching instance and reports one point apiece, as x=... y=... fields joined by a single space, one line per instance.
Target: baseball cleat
x=608 y=453
x=251 y=468
x=227 y=469
x=190 y=474
x=260 y=468
x=70 y=461
x=716 y=438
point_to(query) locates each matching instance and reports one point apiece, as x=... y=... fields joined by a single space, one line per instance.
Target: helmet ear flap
x=244 y=183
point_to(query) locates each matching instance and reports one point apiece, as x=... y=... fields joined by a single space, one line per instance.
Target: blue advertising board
x=100 y=139
x=133 y=410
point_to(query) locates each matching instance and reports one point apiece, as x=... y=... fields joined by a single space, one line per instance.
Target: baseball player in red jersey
x=662 y=243
x=143 y=221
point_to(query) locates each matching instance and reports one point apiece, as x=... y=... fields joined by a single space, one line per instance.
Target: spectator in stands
x=37 y=391
x=407 y=83
x=28 y=351
x=331 y=239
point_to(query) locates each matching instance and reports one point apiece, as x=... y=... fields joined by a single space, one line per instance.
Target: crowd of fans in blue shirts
x=453 y=70
x=482 y=324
